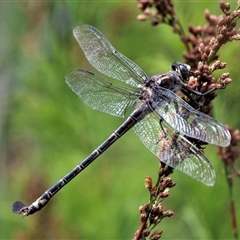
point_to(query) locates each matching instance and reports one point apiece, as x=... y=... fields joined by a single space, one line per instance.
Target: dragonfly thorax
x=171 y=81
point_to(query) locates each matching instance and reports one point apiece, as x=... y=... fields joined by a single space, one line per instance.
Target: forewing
x=174 y=149
x=190 y=122
x=100 y=94
x=105 y=58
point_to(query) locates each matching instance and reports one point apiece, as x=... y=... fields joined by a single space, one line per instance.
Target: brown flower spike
x=202 y=47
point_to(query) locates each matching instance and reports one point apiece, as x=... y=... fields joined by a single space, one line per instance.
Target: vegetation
x=45 y=130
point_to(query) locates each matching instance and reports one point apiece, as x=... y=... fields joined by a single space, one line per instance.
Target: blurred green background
x=45 y=130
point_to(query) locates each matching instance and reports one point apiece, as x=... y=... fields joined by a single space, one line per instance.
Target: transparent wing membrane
x=190 y=122
x=99 y=94
x=174 y=150
x=105 y=58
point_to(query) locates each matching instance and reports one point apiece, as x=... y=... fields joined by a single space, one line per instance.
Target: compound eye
x=175 y=66
x=182 y=69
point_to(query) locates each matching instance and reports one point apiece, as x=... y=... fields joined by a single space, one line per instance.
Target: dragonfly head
x=182 y=70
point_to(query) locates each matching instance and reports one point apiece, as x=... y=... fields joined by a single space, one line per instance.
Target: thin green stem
x=229 y=180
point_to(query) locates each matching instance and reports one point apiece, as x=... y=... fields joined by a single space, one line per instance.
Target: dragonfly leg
x=163 y=130
x=187 y=92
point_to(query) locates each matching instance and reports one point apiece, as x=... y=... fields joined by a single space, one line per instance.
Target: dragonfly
x=162 y=120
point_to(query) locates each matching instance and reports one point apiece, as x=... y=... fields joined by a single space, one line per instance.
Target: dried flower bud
x=168 y=213
x=148 y=182
x=235 y=37
x=143 y=208
x=146 y=232
x=236 y=13
x=165 y=193
x=141 y=17
x=225 y=75
x=142 y=217
x=225 y=7
x=156 y=235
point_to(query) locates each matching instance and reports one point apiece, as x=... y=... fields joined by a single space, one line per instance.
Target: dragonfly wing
x=105 y=58
x=174 y=149
x=190 y=122
x=99 y=94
